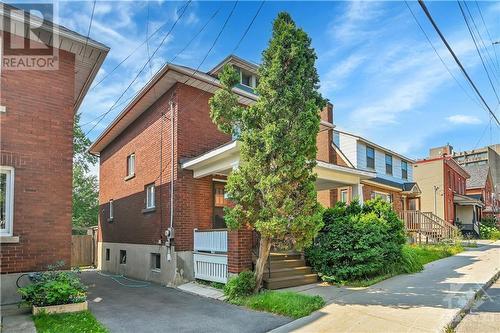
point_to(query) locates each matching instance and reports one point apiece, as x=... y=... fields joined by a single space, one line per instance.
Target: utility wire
x=429 y=16
x=441 y=59
x=477 y=47
x=214 y=14
x=135 y=50
x=488 y=33
x=248 y=27
x=144 y=66
x=90 y=27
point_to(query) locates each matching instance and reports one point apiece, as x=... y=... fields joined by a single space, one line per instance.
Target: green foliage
x=357 y=242
x=68 y=323
x=85 y=184
x=284 y=303
x=488 y=232
x=489 y=221
x=424 y=254
x=54 y=288
x=273 y=190
x=240 y=285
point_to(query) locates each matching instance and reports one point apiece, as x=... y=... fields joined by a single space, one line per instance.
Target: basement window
x=107 y=254
x=155 y=262
x=123 y=257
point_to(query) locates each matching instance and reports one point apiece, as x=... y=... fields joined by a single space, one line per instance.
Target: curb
x=466 y=308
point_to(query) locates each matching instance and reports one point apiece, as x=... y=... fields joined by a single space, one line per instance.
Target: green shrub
x=489 y=221
x=239 y=286
x=488 y=232
x=357 y=242
x=54 y=288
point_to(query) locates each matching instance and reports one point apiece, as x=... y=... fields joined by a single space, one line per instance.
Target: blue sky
x=375 y=65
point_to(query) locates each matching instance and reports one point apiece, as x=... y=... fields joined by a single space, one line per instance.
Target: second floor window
x=130 y=165
x=150 y=196
x=388 y=164
x=370 y=158
x=404 y=169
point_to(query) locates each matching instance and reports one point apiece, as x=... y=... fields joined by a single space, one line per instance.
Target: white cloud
x=463 y=119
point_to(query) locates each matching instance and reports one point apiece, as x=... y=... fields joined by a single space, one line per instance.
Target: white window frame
x=150 y=200
x=3 y=108
x=111 y=210
x=384 y=195
x=131 y=165
x=346 y=195
x=9 y=200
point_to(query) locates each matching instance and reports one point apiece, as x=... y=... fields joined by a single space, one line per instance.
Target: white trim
x=9 y=200
x=209 y=155
x=345 y=169
x=150 y=201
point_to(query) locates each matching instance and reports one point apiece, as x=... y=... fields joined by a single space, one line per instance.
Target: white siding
x=347 y=145
x=380 y=164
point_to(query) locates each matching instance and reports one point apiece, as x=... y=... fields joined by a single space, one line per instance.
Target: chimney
x=441 y=151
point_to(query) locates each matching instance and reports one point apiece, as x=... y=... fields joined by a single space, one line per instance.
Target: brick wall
x=397 y=199
x=36 y=139
x=194 y=133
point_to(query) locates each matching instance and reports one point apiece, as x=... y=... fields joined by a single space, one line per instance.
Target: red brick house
x=480 y=187
x=443 y=184
x=37 y=106
x=163 y=166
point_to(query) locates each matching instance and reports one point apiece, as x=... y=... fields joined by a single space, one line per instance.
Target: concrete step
x=286 y=263
x=290 y=281
x=281 y=256
x=284 y=272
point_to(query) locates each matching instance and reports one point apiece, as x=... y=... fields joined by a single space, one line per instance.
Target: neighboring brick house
x=394 y=173
x=443 y=184
x=480 y=187
x=163 y=167
x=37 y=108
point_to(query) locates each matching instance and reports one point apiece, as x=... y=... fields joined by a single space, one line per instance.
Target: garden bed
x=62 y=308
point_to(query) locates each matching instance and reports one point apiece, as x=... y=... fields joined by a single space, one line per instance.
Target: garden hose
x=120 y=276
x=19 y=278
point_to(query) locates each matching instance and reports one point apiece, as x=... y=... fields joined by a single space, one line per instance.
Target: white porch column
x=357 y=192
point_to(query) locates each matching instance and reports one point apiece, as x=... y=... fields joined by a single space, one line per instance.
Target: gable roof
x=233 y=59
x=379 y=147
x=87 y=63
x=478 y=175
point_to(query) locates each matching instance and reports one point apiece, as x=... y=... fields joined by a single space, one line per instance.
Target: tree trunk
x=264 y=249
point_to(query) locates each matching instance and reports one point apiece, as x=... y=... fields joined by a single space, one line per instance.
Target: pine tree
x=273 y=189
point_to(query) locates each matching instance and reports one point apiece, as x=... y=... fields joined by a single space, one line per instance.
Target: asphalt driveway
x=160 y=309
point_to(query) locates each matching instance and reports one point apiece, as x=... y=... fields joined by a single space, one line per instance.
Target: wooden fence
x=82 y=250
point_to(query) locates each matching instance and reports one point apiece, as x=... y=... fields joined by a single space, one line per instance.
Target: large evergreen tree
x=85 y=184
x=273 y=190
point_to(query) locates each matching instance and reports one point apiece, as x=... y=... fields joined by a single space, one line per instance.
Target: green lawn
x=76 y=322
x=416 y=256
x=283 y=303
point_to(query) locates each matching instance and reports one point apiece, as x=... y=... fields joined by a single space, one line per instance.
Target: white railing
x=210 y=255
x=210 y=267
x=212 y=240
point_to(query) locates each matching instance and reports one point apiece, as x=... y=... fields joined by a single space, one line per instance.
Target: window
x=388 y=164
x=370 y=157
x=404 y=169
x=107 y=254
x=343 y=195
x=123 y=257
x=449 y=179
x=220 y=201
x=6 y=200
x=150 y=196
x=155 y=261
x=130 y=165
x=111 y=210
x=246 y=79
x=385 y=196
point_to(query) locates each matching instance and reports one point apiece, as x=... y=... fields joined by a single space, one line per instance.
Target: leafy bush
x=488 y=232
x=54 y=288
x=358 y=242
x=489 y=222
x=239 y=286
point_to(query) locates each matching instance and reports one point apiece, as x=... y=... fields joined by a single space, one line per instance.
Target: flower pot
x=63 y=308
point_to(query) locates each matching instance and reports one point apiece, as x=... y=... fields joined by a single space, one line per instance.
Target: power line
x=134 y=50
x=476 y=46
x=426 y=11
x=488 y=32
x=441 y=59
x=90 y=27
x=144 y=66
x=248 y=27
x=214 y=14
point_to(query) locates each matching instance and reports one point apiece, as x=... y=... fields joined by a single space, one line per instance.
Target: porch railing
x=210 y=255
x=428 y=226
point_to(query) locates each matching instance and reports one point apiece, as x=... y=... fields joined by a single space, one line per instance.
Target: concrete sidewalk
x=427 y=301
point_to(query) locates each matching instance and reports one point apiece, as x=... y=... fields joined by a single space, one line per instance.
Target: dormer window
x=247 y=79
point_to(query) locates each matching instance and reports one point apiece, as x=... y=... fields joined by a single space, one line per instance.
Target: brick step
x=290 y=281
x=286 y=263
x=284 y=272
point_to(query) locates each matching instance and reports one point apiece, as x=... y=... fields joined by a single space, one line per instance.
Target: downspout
x=170 y=231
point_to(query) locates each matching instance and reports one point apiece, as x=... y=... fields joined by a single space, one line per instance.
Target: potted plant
x=55 y=292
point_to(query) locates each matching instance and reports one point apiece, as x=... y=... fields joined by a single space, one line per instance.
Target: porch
x=467 y=214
